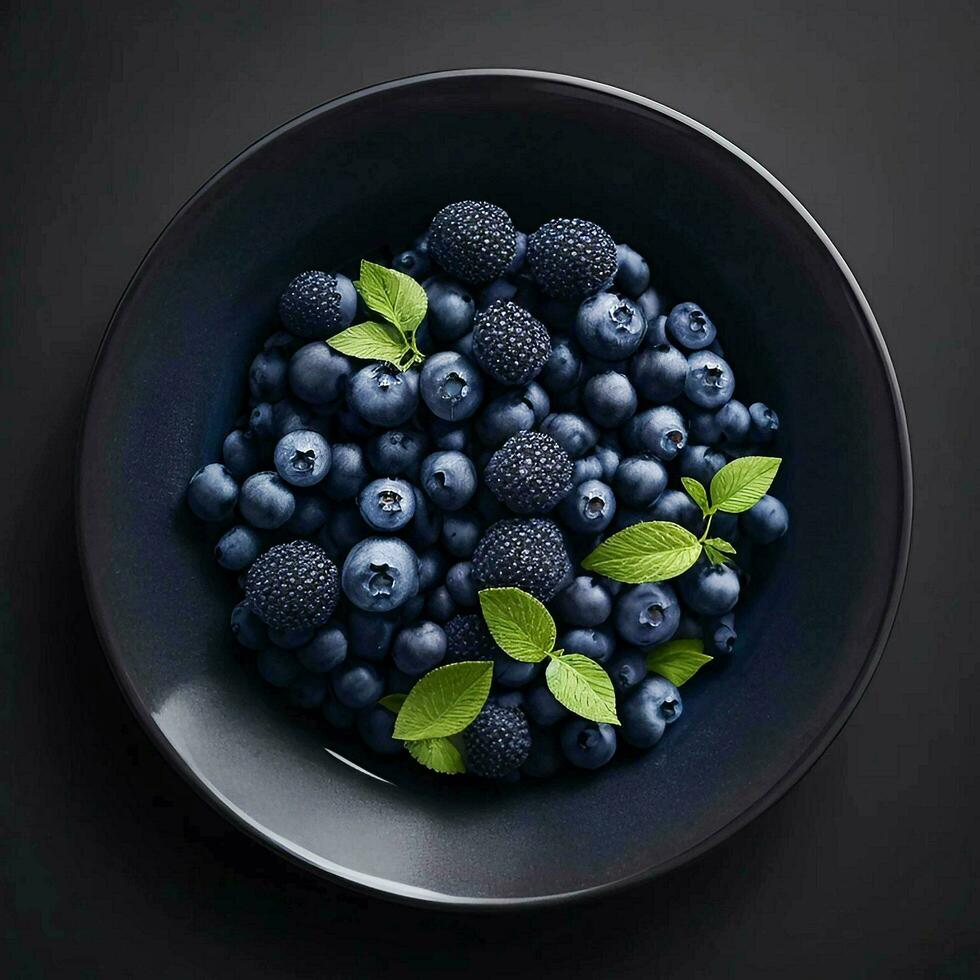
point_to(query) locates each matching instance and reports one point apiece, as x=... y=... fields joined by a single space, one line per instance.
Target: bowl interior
x=370 y=170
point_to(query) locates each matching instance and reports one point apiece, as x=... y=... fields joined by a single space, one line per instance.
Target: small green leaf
x=697 y=493
x=583 y=687
x=397 y=297
x=678 y=660
x=714 y=556
x=649 y=552
x=437 y=754
x=742 y=483
x=720 y=544
x=371 y=341
x=520 y=624
x=445 y=700
x=393 y=702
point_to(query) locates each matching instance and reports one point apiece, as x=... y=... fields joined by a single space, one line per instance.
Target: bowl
x=371 y=168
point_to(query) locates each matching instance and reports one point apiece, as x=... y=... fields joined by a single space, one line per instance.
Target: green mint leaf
x=649 y=552
x=393 y=702
x=372 y=341
x=714 y=556
x=444 y=701
x=720 y=544
x=678 y=660
x=521 y=625
x=697 y=493
x=742 y=483
x=437 y=754
x=583 y=687
x=397 y=297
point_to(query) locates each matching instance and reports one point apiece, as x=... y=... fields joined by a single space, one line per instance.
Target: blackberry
x=292 y=586
x=497 y=742
x=510 y=344
x=318 y=304
x=527 y=553
x=572 y=258
x=530 y=473
x=473 y=240
x=467 y=638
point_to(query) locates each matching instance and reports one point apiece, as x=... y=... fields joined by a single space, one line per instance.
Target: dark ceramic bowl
x=371 y=168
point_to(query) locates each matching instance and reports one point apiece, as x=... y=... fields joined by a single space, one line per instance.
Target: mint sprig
x=524 y=629
x=678 y=660
x=402 y=302
x=653 y=551
x=444 y=701
x=437 y=754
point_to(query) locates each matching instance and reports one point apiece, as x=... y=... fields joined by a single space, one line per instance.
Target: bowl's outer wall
x=329 y=188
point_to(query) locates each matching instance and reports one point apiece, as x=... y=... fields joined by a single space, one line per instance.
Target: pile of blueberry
x=365 y=506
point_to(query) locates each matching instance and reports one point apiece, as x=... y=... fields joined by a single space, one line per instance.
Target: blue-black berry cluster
x=363 y=508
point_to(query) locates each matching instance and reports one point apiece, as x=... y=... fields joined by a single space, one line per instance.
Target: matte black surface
x=864 y=869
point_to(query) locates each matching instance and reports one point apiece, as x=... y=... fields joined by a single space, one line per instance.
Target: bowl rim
x=414 y=895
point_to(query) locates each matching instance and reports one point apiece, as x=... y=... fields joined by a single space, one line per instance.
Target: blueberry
x=647 y=614
x=351 y=427
x=689 y=628
x=267 y=375
x=609 y=399
x=659 y=430
x=589 y=508
x=499 y=289
x=659 y=372
x=764 y=422
x=766 y=521
x=449 y=478
x=563 y=368
x=460 y=534
x=398 y=682
x=309 y=515
x=586 y=468
x=451 y=386
x=326 y=650
x=356 y=684
x=451 y=309
x=277 y=667
x=719 y=634
x=318 y=304
x=463 y=346
x=439 y=605
x=266 y=501
x=610 y=326
x=536 y=398
x=710 y=381
x=648 y=711
x=337 y=715
x=287 y=417
x=520 y=254
x=711 y=590
x=307 y=691
x=544 y=759
x=583 y=603
x=677 y=506
x=237 y=548
x=282 y=340
x=348 y=473
x=627 y=668
x=248 y=629
x=412 y=609
x=212 y=493
x=588 y=744
x=380 y=574
x=690 y=327
x=346 y=527
x=450 y=435
x=704 y=427
x=461 y=584
x=734 y=422
x=318 y=374
x=261 y=421
x=513 y=698
x=577 y=436
x=541 y=706
x=383 y=395
x=651 y=305
x=597 y=644
x=432 y=567
x=514 y=673
x=632 y=271
x=375 y=725
x=639 y=481
x=387 y=504
x=419 y=647
x=395 y=452
x=241 y=453
x=427 y=526
x=302 y=458
x=370 y=634
x=504 y=417
x=413 y=263
x=701 y=463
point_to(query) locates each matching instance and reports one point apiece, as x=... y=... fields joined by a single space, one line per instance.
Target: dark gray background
x=113 y=114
